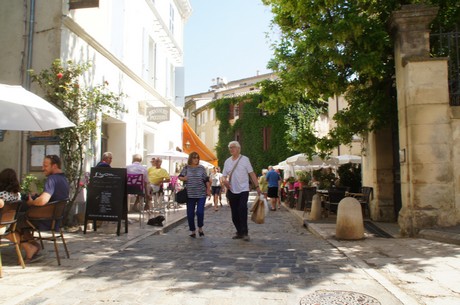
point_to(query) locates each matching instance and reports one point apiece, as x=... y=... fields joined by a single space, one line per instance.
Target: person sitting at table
x=56 y=188
x=9 y=192
x=106 y=160
x=157 y=176
x=137 y=168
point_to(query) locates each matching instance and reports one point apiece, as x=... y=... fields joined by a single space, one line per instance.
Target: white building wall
x=129 y=32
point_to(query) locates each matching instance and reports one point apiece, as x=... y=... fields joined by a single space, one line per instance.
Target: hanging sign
x=157 y=114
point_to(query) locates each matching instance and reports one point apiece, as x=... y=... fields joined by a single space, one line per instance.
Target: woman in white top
x=215 y=186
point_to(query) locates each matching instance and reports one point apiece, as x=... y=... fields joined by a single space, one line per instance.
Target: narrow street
x=282 y=264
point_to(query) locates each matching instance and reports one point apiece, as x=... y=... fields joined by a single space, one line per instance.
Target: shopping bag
x=258 y=212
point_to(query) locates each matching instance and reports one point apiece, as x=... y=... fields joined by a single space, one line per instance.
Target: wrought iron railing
x=448 y=45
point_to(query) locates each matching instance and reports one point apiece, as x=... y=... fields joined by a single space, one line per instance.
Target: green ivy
x=250 y=127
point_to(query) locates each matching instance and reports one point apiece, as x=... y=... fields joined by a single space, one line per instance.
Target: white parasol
x=344 y=159
x=24 y=110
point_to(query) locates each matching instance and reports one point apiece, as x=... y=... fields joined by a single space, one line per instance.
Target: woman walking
x=216 y=176
x=198 y=188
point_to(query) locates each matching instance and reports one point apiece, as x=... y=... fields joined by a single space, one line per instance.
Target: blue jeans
x=239 y=206
x=199 y=204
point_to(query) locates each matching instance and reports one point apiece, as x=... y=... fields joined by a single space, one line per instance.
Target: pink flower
x=59 y=75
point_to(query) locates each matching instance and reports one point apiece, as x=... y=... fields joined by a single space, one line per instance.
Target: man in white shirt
x=137 y=168
x=235 y=177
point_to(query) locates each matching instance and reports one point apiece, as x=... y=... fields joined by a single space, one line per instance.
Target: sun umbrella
x=302 y=160
x=171 y=156
x=344 y=159
x=24 y=110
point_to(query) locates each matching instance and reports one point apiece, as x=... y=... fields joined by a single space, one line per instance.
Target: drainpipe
x=30 y=39
x=336 y=111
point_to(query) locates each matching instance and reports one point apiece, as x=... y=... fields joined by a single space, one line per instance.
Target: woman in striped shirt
x=198 y=188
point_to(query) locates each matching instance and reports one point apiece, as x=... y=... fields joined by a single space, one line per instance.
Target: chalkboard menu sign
x=106 y=197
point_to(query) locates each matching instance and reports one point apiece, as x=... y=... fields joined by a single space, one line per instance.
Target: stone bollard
x=350 y=225
x=315 y=213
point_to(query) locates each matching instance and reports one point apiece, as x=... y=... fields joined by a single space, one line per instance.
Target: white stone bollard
x=350 y=225
x=315 y=213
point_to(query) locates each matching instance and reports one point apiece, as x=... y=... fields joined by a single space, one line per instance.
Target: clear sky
x=225 y=38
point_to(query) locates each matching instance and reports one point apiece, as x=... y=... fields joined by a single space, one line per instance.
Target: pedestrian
x=137 y=168
x=157 y=176
x=235 y=177
x=215 y=187
x=106 y=160
x=273 y=179
x=263 y=183
x=198 y=188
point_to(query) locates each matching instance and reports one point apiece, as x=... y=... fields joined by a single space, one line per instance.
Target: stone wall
x=426 y=131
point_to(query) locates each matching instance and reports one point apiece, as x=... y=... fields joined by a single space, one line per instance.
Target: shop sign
x=157 y=114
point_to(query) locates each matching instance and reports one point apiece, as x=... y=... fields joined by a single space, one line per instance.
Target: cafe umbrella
x=26 y=111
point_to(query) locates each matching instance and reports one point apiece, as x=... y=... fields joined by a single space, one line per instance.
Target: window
x=152 y=62
x=171 y=18
x=212 y=114
x=266 y=132
x=38 y=151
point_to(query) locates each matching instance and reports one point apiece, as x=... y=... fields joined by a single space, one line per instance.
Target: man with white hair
x=235 y=177
x=137 y=168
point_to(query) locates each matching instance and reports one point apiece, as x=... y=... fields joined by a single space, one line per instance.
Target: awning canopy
x=191 y=142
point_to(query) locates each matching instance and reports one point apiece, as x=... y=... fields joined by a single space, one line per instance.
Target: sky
x=225 y=38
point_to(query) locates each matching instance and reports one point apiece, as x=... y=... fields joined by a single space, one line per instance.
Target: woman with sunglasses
x=198 y=188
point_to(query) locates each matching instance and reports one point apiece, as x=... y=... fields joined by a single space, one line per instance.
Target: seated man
x=137 y=168
x=56 y=188
x=157 y=176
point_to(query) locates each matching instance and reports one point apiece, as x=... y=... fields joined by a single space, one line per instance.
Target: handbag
x=181 y=196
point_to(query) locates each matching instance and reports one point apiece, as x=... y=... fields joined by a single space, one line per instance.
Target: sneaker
x=237 y=237
x=246 y=238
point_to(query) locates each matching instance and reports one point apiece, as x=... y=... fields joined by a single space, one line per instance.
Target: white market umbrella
x=171 y=156
x=206 y=164
x=23 y=110
x=344 y=159
x=302 y=160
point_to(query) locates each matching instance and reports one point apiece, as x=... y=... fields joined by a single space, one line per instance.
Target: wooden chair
x=8 y=220
x=39 y=218
x=135 y=186
x=364 y=199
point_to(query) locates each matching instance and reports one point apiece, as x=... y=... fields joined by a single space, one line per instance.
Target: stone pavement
x=282 y=264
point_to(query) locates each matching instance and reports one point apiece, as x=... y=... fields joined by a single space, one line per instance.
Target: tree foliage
x=339 y=47
x=61 y=84
x=249 y=126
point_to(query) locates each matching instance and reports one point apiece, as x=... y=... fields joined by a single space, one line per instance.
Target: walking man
x=273 y=179
x=235 y=177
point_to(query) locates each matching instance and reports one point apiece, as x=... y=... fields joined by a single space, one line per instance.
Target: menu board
x=106 y=198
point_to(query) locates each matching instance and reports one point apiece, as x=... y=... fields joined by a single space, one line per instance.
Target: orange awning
x=194 y=143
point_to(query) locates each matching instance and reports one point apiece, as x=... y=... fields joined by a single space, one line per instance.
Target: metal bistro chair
x=8 y=220
x=307 y=194
x=38 y=218
x=364 y=199
x=335 y=194
x=135 y=186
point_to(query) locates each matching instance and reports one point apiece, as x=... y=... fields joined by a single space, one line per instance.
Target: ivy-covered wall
x=250 y=126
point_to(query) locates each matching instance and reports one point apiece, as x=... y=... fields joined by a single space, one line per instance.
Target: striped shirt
x=196 y=181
